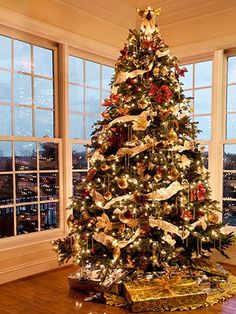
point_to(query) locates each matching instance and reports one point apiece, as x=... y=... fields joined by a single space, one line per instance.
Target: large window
x=89 y=84
x=29 y=163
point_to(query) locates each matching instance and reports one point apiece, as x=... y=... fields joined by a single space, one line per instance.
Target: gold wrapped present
x=163 y=294
x=210 y=267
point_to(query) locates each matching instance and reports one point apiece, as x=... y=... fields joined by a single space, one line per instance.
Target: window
x=29 y=162
x=229 y=150
x=89 y=84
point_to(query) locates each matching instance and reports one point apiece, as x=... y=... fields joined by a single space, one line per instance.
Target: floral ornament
x=126 y=216
x=186 y=215
x=160 y=93
x=141 y=124
x=113 y=99
x=103 y=222
x=117 y=138
x=183 y=161
x=91 y=173
x=198 y=193
x=180 y=72
x=168 y=239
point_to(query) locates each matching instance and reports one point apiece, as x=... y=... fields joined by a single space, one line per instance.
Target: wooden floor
x=48 y=293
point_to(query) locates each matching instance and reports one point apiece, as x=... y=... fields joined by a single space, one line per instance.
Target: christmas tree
x=145 y=204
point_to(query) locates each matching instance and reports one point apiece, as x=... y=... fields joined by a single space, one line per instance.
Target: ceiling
x=123 y=12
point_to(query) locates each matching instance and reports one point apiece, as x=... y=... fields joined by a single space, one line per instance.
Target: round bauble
x=186 y=215
x=212 y=217
x=108 y=196
x=183 y=200
x=123 y=183
x=167 y=208
x=104 y=167
x=157 y=177
x=172 y=135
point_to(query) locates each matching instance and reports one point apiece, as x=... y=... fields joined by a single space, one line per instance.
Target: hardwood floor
x=49 y=293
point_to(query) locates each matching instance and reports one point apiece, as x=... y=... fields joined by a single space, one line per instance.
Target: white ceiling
x=123 y=12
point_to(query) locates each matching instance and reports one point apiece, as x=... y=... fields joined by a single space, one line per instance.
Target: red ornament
x=85 y=192
x=149 y=44
x=91 y=173
x=128 y=214
x=198 y=193
x=186 y=215
x=117 y=138
x=180 y=72
x=130 y=82
x=107 y=102
x=113 y=99
x=161 y=93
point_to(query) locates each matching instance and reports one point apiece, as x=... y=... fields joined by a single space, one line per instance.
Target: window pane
x=43 y=61
x=230 y=157
x=48 y=156
x=49 y=216
x=187 y=80
x=90 y=120
x=77 y=178
x=49 y=188
x=5 y=86
x=231 y=98
x=231 y=70
x=92 y=74
x=27 y=218
x=22 y=89
x=26 y=188
x=79 y=157
x=6 y=222
x=231 y=126
x=205 y=126
x=92 y=101
x=76 y=126
x=203 y=74
x=188 y=93
x=229 y=185
x=43 y=92
x=25 y=156
x=5 y=52
x=76 y=98
x=229 y=212
x=23 y=121
x=22 y=58
x=44 y=123
x=5 y=156
x=105 y=95
x=76 y=70
x=6 y=188
x=202 y=101
x=107 y=73
x=6 y=123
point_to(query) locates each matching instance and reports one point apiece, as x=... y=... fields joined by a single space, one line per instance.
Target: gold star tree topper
x=149 y=16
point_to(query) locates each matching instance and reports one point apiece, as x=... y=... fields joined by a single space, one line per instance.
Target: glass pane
x=26 y=188
x=6 y=222
x=5 y=86
x=107 y=73
x=187 y=80
x=23 y=121
x=203 y=74
x=229 y=157
x=204 y=124
x=48 y=156
x=43 y=93
x=232 y=70
x=5 y=52
x=105 y=94
x=6 y=188
x=202 y=101
x=231 y=126
x=229 y=212
x=229 y=185
x=92 y=101
x=25 y=156
x=76 y=98
x=90 y=120
x=76 y=126
x=22 y=58
x=188 y=93
x=6 y=120
x=22 y=89
x=44 y=123
x=79 y=156
x=77 y=178
x=27 y=218
x=76 y=70
x=205 y=153
x=5 y=156
x=231 y=98
x=43 y=61
x=49 y=188
x=92 y=74
x=49 y=216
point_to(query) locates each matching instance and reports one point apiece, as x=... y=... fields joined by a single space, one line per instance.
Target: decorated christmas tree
x=145 y=206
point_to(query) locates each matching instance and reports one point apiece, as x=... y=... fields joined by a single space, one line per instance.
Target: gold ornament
x=156 y=71
x=173 y=173
x=212 y=217
x=106 y=115
x=167 y=208
x=123 y=183
x=123 y=111
x=104 y=167
x=143 y=103
x=172 y=135
x=108 y=196
x=183 y=200
x=103 y=147
x=141 y=124
x=157 y=177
